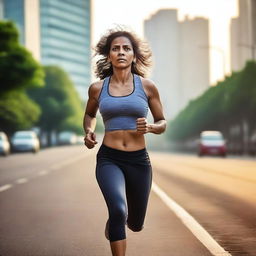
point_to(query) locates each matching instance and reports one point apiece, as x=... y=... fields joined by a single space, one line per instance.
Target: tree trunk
x=49 y=138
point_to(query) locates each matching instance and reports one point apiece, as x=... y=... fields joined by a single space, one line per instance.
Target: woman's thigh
x=112 y=184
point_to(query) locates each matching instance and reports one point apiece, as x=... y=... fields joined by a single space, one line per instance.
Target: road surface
x=51 y=205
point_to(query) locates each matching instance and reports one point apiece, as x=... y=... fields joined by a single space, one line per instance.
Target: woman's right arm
x=89 y=122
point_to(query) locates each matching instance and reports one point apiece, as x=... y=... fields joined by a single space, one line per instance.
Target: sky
x=132 y=13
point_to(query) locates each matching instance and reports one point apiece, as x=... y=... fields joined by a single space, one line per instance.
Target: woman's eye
x=127 y=48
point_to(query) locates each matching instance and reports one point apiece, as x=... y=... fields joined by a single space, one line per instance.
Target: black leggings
x=125 y=180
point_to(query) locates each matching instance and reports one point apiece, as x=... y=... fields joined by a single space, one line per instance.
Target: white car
x=4 y=144
x=67 y=138
x=25 y=141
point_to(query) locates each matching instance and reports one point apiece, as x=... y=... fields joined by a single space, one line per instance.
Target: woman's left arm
x=156 y=109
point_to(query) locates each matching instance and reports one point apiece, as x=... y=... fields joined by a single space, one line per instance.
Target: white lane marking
x=202 y=235
x=57 y=166
x=5 y=187
x=21 y=180
x=43 y=172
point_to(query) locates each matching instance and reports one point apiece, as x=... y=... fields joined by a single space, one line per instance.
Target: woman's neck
x=121 y=76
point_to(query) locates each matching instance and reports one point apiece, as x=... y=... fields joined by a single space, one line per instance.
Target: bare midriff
x=125 y=140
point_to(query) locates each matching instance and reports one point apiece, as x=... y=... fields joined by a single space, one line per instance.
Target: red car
x=212 y=143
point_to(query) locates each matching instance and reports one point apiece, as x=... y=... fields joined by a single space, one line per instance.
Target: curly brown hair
x=141 y=49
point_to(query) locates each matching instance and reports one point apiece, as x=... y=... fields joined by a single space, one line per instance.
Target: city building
x=181 y=64
x=14 y=10
x=57 y=32
x=65 y=38
x=162 y=32
x=243 y=34
x=194 y=59
x=1 y=9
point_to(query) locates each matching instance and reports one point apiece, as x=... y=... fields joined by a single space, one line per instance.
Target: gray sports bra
x=121 y=112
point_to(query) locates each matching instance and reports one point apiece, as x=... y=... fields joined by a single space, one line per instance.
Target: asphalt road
x=51 y=205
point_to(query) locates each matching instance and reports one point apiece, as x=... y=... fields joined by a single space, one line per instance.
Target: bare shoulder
x=95 y=89
x=149 y=86
x=96 y=86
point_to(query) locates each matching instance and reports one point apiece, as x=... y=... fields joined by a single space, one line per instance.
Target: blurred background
x=204 y=66
x=205 y=69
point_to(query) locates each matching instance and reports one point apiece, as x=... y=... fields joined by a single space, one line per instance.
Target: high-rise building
x=14 y=10
x=253 y=15
x=65 y=38
x=243 y=34
x=181 y=67
x=1 y=9
x=25 y=14
x=194 y=55
x=57 y=32
x=162 y=32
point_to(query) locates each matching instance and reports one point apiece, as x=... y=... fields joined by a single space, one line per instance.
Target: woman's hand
x=142 y=125
x=90 y=140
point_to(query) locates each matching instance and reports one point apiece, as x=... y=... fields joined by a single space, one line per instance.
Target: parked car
x=212 y=143
x=80 y=140
x=25 y=141
x=67 y=138
x=4 y=144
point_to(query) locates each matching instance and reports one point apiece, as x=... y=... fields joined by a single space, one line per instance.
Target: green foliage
x=18 y=68
x=9 y=35
x=242 y=98
x=74 y=122
x=220 y=106
x=17 y=111
x=61 y=106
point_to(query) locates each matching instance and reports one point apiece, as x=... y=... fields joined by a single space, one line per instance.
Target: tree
x=17 y=111
x=18 y=67
x=18 y=70
x=61 y=106
x=230 y=102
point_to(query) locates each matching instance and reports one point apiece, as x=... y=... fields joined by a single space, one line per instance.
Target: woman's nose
x=121 y=51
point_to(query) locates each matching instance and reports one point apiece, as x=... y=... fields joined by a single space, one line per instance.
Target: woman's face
x=121 y=52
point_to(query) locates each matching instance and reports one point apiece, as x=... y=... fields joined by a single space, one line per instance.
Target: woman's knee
x=118 y=213
x=135 y=228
